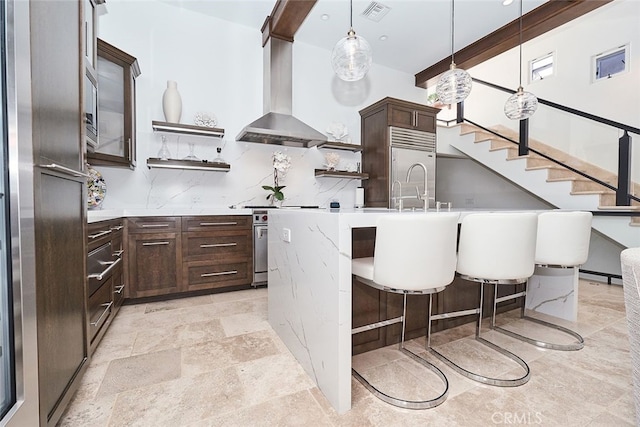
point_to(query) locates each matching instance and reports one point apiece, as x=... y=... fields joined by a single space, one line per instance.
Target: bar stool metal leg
x=472 y=375
x=402 y=403
x=577 y=345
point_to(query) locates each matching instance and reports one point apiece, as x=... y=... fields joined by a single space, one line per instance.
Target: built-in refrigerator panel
x=409 y=147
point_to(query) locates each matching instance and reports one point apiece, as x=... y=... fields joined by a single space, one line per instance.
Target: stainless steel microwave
x=91 y=110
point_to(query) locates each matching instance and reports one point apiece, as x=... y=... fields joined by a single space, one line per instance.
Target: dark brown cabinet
x=117 y=71
x=217 y=251
x=105 y=277
x=59 y=201
x=171 y=255
x=154 y=256
x=377 y=121
x=411 y=116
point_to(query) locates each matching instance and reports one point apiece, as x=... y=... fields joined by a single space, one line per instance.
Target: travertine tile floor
x=214 y=361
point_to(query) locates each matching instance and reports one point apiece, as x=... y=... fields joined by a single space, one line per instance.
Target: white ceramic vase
x=172 y=103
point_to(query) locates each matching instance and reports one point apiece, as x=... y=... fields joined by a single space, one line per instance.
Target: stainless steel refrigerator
x=409 y=147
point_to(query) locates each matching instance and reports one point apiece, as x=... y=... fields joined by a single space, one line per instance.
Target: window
x=541 y=68
x=608 y=64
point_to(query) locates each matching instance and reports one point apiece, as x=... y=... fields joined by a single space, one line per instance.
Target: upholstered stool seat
x=414 y=254
x=494 y=248
x=562 y=241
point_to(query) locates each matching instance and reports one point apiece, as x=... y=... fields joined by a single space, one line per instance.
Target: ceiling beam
x=544 y=18
x=285 y=19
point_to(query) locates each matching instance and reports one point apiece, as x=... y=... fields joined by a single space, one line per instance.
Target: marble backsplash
x=251 y=168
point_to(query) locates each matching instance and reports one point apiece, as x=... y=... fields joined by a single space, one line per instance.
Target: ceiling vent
x=376 y=11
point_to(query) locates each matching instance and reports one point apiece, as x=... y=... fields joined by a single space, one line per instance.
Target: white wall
x=574 y=44
x=218 y=67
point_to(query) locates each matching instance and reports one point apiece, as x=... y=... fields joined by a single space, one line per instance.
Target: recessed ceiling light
x=324 y=17
x=383 y=37
x=507 y=2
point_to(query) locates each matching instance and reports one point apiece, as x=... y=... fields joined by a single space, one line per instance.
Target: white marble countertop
x=96 y=215
x=310 y=284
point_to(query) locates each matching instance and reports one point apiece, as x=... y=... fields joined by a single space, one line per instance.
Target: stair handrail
x=572 y=169
x=623 y=192
x=564 y=108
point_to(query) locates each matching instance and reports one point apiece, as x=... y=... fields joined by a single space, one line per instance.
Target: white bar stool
x=414 y=254
x=562 y=242
x=494 y=248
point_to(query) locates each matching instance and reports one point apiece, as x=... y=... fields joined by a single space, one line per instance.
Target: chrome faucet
x=424 y=197
x=397 y=200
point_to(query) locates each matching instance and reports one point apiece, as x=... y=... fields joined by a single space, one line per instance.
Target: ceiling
x=417 y=31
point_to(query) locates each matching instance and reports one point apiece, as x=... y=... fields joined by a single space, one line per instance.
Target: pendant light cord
x=520 y=80
x=452 y=28
x=351 y=14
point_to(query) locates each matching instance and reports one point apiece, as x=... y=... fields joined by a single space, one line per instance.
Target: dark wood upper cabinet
x=117 y=71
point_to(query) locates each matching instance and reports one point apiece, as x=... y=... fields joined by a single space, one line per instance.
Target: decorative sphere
x=453 y=86
x=351 y=57
x=521 y=105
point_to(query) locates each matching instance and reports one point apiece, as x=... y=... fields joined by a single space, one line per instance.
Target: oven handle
x=261 y=231
x=100 y=276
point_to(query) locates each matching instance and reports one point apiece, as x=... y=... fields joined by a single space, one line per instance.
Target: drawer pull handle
x=164 y=225
x=218 y=245
x=222 y=273
x=208 y=224
x=118 y=253
x=99 y=234
x=117 y=227
x=118 y=289
x=100 y=276
x=107 y=307
x=154 y=243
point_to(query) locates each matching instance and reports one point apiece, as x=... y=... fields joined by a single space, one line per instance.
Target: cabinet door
x=401 y=116
x=116 y=108
x=153 y=264
x=60 y=258
x=425 y=121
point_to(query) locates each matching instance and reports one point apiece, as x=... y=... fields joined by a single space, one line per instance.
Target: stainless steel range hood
x=278 y=126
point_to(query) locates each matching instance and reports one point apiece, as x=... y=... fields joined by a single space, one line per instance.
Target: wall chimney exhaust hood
x=278 y=126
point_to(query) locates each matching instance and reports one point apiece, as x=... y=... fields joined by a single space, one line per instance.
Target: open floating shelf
x=336 y=145
x=188 y=164
x=187 y=129
x=340 y=174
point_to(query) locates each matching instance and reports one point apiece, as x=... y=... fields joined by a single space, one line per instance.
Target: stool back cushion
x=563 y=238
x=497 y=245
x=415 y=251
x=630 y=259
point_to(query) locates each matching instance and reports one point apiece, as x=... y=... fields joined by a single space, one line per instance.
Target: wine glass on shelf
x=191 y=156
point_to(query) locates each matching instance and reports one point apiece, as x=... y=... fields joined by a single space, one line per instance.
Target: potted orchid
x=281 y=164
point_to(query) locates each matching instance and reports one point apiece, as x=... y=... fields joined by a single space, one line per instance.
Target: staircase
x=553 y=183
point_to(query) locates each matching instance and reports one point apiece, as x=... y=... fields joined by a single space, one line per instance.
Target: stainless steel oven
x=260 y=247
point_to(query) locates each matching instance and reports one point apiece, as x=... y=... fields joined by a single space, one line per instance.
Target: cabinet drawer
x=98 y=233
x=216 y=245
x=207 y=275
x=218 y=222
x=153 y=224
x=99 y=308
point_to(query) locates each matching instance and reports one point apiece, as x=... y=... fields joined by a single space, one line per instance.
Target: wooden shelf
x=188 y=164
x=187 y=129
x=336 y=145
x=340 y=174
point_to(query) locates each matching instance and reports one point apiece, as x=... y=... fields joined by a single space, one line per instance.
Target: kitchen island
x=310 y=290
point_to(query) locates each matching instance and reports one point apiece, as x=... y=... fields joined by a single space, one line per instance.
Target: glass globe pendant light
x=351 y=57
x=521 y=105
x=454 y=85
